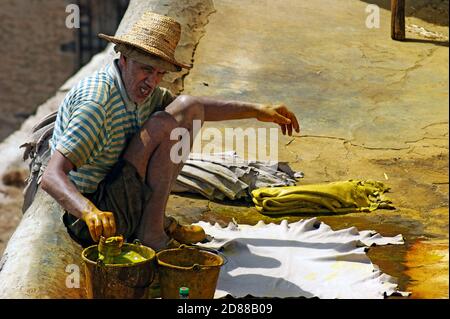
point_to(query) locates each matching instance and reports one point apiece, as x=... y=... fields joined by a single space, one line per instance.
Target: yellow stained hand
x=280 y=115
x=100 y=223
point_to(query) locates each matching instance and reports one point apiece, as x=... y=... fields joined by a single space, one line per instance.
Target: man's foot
x=185 y=234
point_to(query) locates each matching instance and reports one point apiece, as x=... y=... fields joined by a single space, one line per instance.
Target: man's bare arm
x=57 y=184
x=220 y=110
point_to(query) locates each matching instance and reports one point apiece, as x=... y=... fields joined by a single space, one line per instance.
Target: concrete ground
x=369 y=107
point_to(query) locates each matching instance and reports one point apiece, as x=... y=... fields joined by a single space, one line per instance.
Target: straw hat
x=154 y=35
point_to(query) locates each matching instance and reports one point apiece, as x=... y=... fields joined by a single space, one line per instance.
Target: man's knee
x=155 y=131
x=164 y=118
x=161 y=122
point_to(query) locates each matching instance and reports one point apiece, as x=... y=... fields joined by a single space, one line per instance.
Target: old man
x=110 y=165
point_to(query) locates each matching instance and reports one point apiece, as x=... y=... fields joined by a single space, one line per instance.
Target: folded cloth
x=337 y=197
x=226 y=175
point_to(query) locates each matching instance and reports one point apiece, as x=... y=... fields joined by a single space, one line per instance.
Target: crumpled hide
x=302 y=259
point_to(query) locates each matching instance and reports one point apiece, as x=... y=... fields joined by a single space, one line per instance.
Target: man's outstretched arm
x=57 y=184
x=221 y=110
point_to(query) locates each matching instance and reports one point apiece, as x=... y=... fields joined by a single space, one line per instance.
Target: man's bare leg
x=185 y=110
x=149 y=152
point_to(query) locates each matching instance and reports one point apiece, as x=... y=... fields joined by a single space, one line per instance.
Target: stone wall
x=33 y=65
x=39 y=53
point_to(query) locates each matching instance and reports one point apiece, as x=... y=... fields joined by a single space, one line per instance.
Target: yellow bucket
x=190 y=267
x=119 y=281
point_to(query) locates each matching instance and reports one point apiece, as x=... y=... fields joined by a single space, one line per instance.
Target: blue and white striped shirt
x=95 y=122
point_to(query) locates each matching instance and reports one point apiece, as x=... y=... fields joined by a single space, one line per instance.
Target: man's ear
x=122 y=60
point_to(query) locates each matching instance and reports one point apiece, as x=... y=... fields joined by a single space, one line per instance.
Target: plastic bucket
x=121 y=281
x=190 y=267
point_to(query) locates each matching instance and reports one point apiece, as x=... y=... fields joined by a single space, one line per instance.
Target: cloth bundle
x=337 y=197
x=38 y=151
x=226 y=175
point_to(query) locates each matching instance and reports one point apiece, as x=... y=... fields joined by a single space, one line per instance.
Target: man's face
x=139 y=79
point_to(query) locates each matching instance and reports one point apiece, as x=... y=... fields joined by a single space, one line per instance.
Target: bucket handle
x=211 y=250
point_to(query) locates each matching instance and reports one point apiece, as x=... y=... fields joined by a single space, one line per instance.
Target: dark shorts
x=124 y=194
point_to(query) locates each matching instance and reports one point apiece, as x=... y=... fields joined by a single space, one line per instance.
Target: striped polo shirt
x=95 y=122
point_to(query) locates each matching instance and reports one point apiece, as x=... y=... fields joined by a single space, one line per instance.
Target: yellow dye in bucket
x=110 y=252
x=118 y=270
x=189 y=267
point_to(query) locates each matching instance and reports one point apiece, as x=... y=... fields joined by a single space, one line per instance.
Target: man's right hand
x=100 y=223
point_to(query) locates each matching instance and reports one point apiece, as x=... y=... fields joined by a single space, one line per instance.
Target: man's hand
x=100 y=223
x=280 y=115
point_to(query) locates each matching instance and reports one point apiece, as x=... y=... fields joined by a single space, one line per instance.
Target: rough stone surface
x=42 y=261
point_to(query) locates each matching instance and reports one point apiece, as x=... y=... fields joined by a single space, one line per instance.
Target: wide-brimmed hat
x=154 y=34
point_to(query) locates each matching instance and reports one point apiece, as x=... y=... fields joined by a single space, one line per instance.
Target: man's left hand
x=280 y=115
